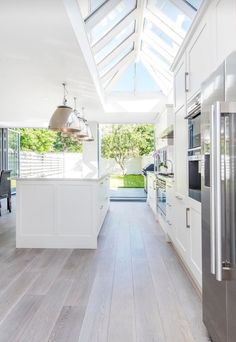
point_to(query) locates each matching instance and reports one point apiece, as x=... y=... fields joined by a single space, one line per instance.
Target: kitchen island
x=60 y=212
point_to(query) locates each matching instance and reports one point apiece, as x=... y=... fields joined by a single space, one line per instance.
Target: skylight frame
x=158 y=45
x=98 y=16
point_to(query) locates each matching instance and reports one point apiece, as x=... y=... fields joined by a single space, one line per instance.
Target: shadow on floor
x=128 y=194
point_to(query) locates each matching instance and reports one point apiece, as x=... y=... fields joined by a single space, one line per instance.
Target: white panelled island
x=60 y=212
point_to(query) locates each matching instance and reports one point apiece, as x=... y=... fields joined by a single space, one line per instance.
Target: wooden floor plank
x=122 y=318
x=132 y=288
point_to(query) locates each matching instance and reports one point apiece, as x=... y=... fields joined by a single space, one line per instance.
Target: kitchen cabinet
x=170 y=210
x=181 y=226
x=180 y=79
x=180 y=152
x=225 y=18
x=199 y=63
x=151 y=189
x=195 y=244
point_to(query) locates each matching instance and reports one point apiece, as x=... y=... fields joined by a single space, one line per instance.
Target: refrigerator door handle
x=212 y=192
x=217 y=192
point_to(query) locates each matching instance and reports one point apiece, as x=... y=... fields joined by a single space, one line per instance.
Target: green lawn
x=127 y=181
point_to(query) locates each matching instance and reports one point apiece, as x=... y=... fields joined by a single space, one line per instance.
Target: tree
x=145 y=136
x=43 y=141
x=37 y=140
x=126 y=141
x=63 y=144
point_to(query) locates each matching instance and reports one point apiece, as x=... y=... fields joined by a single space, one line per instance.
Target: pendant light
x=89 y=136
x=82 y=133
x=64 y=118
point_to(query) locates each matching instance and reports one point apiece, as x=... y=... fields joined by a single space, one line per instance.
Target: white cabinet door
x=151 y=197
x=170 y=211
x=180 y=147
x=200 y=57
x=195 y=250
x=225 y=28
x=179 y=85
x=181 y=229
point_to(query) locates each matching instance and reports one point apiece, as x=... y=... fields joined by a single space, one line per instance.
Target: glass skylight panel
x=94 y=4
x=118 y=39
x=116 y=60
x=112 y=18
x=172 y=12
x=136 y=78
x=150 y=27
x=146 y=48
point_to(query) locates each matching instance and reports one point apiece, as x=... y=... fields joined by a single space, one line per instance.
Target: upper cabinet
x=180 y=79
x=199 y=56
x=225 y=17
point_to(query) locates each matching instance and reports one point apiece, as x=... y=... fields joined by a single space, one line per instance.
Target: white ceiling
x=39 y=51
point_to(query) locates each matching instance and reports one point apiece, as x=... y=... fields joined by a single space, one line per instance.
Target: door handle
x=212 y=191
x=186 y=78
x=187 y=218
x=215 y=193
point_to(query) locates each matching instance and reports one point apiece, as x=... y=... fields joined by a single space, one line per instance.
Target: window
x=112 y=18
x=116 y=60
x=108 y=48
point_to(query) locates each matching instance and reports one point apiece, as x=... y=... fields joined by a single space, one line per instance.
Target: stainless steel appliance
x=218 y=131
x=194 y=149
x=194 y=123
x=161 y=194
x=194 y=174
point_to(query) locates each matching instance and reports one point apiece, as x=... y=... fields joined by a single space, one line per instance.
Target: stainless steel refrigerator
x=218 y=141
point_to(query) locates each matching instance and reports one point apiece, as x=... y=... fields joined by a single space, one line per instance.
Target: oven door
x=194 y=132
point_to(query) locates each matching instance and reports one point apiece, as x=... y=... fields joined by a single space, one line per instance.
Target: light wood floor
x=132 y=288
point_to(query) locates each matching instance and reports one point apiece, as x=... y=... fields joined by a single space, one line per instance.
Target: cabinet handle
x=101 y=207
x=154 y=185
x=101 y=183
x=186 y=78
x=187 y=218
x=179 y=198
x=169 y=205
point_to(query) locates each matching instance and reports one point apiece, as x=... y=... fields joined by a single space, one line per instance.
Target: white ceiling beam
x=167 y=21
x=128 y=42
x=100 y=13
x=125 y=61
x=160 y=80
x=77 y=22
x=158 y=48
x=185 y=8
x=163 y=27
x=160 y=43
x=166 y=74
x=115 y=31
x=141 y=5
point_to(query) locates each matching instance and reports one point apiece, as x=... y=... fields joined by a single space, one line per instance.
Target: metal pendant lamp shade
x=89 y=136
x=64 y=118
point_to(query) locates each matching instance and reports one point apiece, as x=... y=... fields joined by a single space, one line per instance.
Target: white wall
x=133 y=165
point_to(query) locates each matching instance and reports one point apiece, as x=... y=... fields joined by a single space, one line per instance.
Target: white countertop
x=61 y=178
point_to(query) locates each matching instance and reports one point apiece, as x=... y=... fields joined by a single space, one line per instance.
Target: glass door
x=14 y=156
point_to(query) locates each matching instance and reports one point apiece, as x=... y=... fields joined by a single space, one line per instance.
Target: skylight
x=135 y=42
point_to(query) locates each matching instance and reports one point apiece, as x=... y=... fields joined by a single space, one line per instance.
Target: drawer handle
x=101 y=183
x=187 y=218
x=169 y=205
x=101 y=207
x=179 y=197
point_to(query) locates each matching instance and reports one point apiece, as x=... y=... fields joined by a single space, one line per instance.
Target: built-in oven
x=194 y=149
x=161 y=195
x=194 y=124
x=194 y=174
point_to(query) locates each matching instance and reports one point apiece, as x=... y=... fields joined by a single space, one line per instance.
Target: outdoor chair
x=5 y=188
